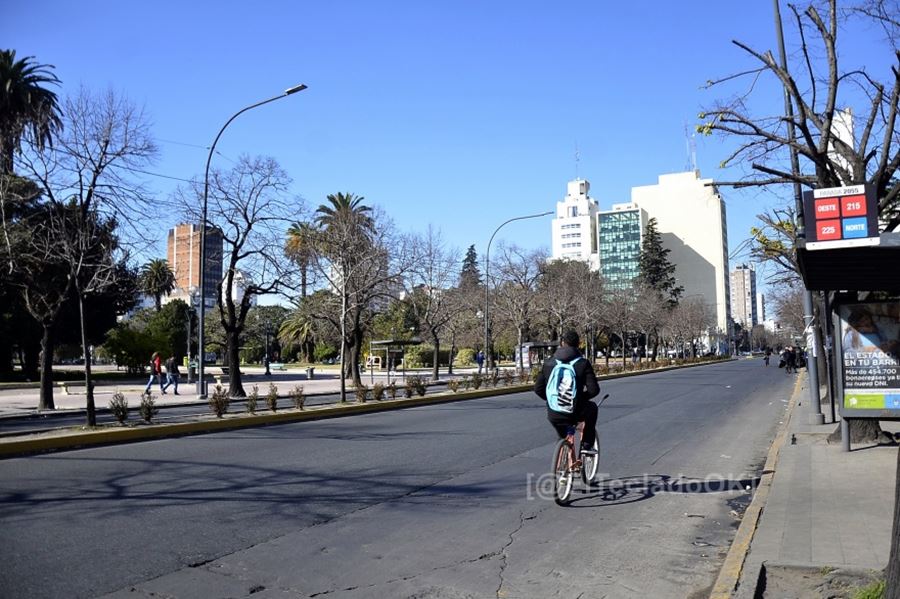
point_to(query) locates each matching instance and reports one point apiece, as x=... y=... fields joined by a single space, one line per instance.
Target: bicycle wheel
x=590 y=463
x=562 y=473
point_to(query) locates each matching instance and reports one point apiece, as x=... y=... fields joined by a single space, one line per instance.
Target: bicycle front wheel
x=590 y=463
x=562 y=472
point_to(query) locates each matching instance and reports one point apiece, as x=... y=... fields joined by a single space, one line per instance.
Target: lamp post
x=192 y=297
x=268 y=373
x=487 y=284
x=201 y=391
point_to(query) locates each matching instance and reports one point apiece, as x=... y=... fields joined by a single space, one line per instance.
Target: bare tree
x=515 y=277
x=91 y=173
x=429 y=282
x=559 y=290
x=251 y=206
x=650 y=312
x=619 y=315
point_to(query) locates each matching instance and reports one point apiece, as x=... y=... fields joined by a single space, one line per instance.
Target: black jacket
x=588 y=388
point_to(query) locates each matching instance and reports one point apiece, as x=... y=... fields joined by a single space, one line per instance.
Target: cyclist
x=586 y=389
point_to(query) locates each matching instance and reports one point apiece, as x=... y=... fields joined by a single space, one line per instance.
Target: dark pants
x=588 y=415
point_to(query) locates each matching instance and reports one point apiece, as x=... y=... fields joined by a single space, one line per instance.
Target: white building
x=760 y=308
x=690 y=217
x=575 y=225
x=743 y=296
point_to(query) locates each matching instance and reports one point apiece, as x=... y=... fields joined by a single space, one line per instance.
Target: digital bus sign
x=840 y=217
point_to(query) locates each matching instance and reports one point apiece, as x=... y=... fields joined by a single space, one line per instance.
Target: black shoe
x=585 y=450
x=176 y=392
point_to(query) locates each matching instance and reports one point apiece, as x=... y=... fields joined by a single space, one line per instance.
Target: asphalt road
x=445 y=501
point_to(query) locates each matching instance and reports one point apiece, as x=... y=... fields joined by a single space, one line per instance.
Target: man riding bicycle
x=586 y=388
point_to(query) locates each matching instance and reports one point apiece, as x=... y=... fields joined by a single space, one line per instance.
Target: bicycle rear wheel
x=562 y=473
x=590 y=463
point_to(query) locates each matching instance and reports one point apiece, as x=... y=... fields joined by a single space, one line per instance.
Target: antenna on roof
x=691 y=148
x=577 y=159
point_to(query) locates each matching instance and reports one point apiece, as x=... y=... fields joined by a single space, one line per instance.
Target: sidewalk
x=826 y=523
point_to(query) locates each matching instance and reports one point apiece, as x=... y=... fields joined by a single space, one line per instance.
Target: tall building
x=760 y=308
x=575 y=225
x=690 y=215
x=743 y=296
x=619 y=235
x=184 y=260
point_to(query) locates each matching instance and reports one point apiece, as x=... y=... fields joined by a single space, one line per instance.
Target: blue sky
x=460 y=114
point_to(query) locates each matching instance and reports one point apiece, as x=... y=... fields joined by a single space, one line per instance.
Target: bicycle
x=567 y=460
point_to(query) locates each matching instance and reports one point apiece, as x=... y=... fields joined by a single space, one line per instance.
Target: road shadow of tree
x=631 y=489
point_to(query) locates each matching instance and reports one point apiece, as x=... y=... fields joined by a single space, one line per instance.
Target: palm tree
x=298 y=329
x=157 y=279
x=345 y=208
x=25 y=104
x=299 y=247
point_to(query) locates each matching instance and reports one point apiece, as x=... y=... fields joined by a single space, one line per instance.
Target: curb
x=730 y=573
x=108 y=436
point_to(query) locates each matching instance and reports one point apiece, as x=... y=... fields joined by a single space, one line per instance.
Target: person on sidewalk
x=155 y=374
x=586 y=388
x=172 y=374
x=766 y=357
x=479 y=359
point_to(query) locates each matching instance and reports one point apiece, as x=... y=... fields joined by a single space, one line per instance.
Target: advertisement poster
x=870 y=351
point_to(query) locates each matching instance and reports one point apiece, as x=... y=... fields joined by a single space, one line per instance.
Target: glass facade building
x=619 y=233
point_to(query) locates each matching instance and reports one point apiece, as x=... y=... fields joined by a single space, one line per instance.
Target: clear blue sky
x=457 y=113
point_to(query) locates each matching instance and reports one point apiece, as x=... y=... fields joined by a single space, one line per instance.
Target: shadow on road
x=631 y=489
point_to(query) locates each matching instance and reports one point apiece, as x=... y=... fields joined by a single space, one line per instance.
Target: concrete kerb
x=56 y=441
x=730 y=574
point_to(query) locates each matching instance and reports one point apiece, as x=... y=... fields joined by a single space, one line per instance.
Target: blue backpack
x=562 y=388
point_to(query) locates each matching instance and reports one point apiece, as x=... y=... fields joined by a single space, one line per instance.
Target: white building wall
x=691 y=221
x=575 y=226
x=760 y=308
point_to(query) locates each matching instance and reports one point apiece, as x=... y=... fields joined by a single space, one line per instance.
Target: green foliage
x=130 y=347
x=465 y=357
x=874 y=590
x=148 y=407
x=252 y=399
x=324 y=351
x=470 y=275
x=118 y=405
x=656 y=271
x=298 y=397
x=378 y=391
x=422 y=356
x=219 y=401
x=157 y=280
x=466 y=382
x=272 y=397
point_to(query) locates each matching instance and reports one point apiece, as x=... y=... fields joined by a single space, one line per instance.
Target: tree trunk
x=624 y=353
x=521 y=357
x=344 y=338
x=47 y=345
x=892 y=591
x=355 y=351
x=435 y=374
x=452 y=351
x=235 y=386
x=88 y=384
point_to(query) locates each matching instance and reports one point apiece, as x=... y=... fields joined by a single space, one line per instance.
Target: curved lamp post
x=487 y=266
x=203 y=224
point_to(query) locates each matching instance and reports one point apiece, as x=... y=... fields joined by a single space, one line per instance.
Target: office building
x=620 y=232
x=690 y=215
x=760 y=308
x=184 y=260
x=743 y=296
x=575 y=226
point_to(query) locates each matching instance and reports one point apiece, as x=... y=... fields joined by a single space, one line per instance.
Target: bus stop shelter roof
x=867 y=268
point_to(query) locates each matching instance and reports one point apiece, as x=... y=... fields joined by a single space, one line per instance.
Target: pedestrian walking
x=479 y=359
x=766 y=357
x=172 y=374
x=155 y=374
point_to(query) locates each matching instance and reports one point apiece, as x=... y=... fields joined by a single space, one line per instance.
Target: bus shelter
x=387 y=353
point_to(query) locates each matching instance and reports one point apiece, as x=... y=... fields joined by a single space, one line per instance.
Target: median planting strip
x=62 y=439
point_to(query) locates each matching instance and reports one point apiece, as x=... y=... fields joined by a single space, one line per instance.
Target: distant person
x=172 y=374
x=790 y=360
x=766 y=357
x=155 y=374
x=479 y=359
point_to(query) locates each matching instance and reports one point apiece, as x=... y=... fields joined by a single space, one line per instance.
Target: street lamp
x=268 y=373
x=201 y=392
x=487 y=268
x=192 y=297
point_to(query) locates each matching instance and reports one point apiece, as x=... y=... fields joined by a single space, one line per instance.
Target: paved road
x=441 y=501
